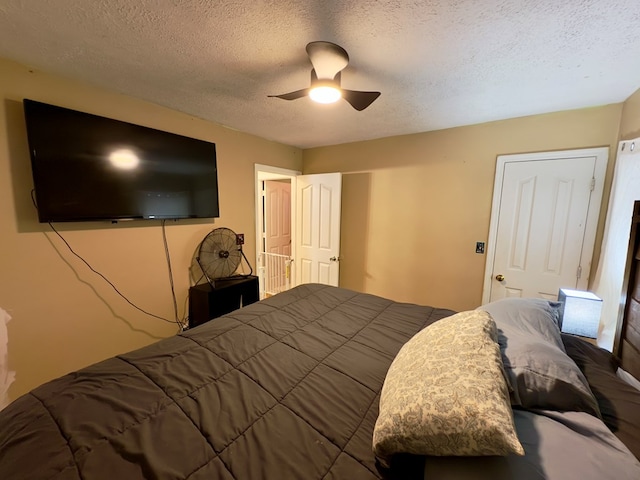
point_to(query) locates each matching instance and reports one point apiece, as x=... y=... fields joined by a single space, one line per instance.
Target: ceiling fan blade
x=292 y=95
x=359 y=100
x=327 y=59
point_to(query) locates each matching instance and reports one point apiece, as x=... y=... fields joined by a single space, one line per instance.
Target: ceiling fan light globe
x=325 y=94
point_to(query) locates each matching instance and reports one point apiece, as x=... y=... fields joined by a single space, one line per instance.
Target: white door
x=543 y=223
x=318 y=205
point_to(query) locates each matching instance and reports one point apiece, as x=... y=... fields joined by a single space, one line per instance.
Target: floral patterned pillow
x=445 y=394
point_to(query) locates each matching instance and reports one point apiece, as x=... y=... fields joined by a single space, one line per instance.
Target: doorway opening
x=275 y=214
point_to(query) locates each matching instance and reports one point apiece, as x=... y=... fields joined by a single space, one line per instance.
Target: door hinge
x=593 y=184
x=579 y=272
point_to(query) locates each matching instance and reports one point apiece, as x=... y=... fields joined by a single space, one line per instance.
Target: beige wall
x=630 y=123
x=64 y=316
x=413 y=208
x=415 y=205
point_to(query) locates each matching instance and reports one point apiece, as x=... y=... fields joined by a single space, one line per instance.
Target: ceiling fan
x=328 y=60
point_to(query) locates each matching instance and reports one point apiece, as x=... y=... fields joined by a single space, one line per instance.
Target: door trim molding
x=601 y=155
x=268 y=172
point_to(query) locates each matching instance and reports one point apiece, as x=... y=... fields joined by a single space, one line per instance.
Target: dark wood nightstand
x=206 y=303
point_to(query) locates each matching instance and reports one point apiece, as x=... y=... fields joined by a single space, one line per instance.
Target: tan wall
x=64 y=316
x=630 y=123
x=415 y=205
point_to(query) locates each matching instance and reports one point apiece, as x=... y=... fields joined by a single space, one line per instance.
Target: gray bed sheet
x=558 y=446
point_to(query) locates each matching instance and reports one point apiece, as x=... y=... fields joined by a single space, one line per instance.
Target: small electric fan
x=220 y=254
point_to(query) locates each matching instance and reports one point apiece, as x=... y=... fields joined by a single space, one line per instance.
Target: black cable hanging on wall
x=180 y=323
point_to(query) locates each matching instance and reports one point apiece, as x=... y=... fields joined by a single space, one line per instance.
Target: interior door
x=544 y=219
x=318 y=206
x=278 y=217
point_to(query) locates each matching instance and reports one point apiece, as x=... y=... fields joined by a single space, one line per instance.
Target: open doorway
x=275 y=211
x=297 y=218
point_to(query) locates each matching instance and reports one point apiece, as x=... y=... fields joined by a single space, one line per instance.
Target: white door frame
x=602 y=156
x=267 y=172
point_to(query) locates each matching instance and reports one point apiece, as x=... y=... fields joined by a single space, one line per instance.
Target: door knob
x=334 y=259
x=500 y=277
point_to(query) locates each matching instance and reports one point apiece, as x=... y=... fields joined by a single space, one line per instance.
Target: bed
x=292 y=387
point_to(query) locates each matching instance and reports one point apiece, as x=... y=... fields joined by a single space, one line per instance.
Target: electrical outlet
x=240 y=239
x=480 y=247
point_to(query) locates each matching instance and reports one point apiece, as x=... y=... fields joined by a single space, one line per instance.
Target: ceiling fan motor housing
x=328 y=61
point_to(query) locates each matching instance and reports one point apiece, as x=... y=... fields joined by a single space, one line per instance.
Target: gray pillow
x=539 y=372
x=534 y=316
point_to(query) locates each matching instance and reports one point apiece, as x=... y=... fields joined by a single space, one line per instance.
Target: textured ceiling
x=438 y=64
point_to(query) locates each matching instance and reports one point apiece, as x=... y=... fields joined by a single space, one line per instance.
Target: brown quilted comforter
x=287 y=388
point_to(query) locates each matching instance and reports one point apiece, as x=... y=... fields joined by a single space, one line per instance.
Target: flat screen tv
x=86 y=167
